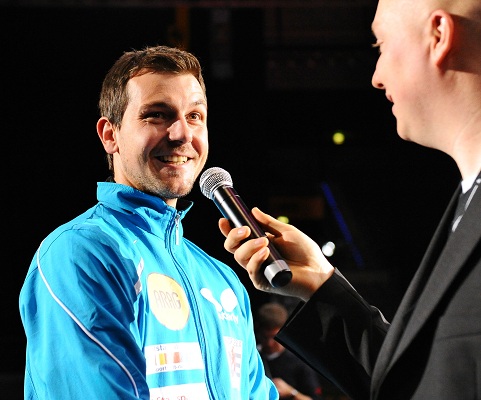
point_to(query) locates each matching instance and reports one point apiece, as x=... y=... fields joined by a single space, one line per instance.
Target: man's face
x=402 y=70
x=162 y=144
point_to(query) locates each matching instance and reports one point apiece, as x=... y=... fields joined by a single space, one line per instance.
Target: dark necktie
x=463 y=203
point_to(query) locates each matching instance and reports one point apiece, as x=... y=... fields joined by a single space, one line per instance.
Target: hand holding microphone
x=216 y=184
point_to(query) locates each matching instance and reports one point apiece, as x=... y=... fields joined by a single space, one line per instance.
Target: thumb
x=269 y=223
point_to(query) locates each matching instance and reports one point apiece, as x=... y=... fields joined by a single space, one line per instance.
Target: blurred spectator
x=293 y=378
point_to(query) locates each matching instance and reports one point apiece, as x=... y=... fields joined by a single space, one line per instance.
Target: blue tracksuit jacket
x=117 y=304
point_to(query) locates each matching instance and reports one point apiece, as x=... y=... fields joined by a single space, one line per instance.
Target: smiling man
x=117 y=304
x=160 y=146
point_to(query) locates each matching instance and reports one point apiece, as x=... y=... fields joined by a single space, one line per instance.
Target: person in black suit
x=430 y=69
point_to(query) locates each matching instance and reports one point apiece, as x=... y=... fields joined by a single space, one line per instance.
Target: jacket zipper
x=177 y=237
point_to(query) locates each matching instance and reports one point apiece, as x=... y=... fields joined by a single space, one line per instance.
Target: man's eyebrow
x=170 y=105
x=199 y=103
x=162 y=104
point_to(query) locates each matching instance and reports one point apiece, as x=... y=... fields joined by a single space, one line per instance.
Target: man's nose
x=179 y=131
x=376 y=81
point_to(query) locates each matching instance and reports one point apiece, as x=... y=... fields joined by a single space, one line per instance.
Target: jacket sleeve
x=338 y=334
x=78 y=311
x=260 y=386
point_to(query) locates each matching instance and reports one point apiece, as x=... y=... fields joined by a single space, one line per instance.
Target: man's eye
x=195 y=116
x=156 y=114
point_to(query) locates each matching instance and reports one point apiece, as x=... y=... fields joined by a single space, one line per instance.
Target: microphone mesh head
x=211 y=179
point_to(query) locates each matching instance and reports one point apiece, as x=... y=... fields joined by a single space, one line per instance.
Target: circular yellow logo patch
x=168 y=301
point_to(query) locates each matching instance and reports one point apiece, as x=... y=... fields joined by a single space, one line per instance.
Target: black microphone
x=216 y=184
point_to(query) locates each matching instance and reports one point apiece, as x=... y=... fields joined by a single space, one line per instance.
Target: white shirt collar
x=468 y=182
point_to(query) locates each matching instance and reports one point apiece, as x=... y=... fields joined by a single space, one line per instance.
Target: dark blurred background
x=282 y=78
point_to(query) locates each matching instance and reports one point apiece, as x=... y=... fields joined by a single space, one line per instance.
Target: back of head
x=271 y=316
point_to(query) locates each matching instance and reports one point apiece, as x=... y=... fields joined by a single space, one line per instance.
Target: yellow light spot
x=338 y=138
x=283 y=218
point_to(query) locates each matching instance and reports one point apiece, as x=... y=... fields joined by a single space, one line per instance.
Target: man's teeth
x=174 y=159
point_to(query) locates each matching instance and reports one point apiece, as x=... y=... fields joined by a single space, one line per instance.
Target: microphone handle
x=233 y=208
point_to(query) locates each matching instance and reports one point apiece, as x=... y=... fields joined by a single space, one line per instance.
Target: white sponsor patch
x=191 y=391
x=173 y=357
x=233 y=348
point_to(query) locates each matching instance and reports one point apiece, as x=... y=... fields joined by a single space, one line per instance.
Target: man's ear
x=442 y=28
x=107 y=135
